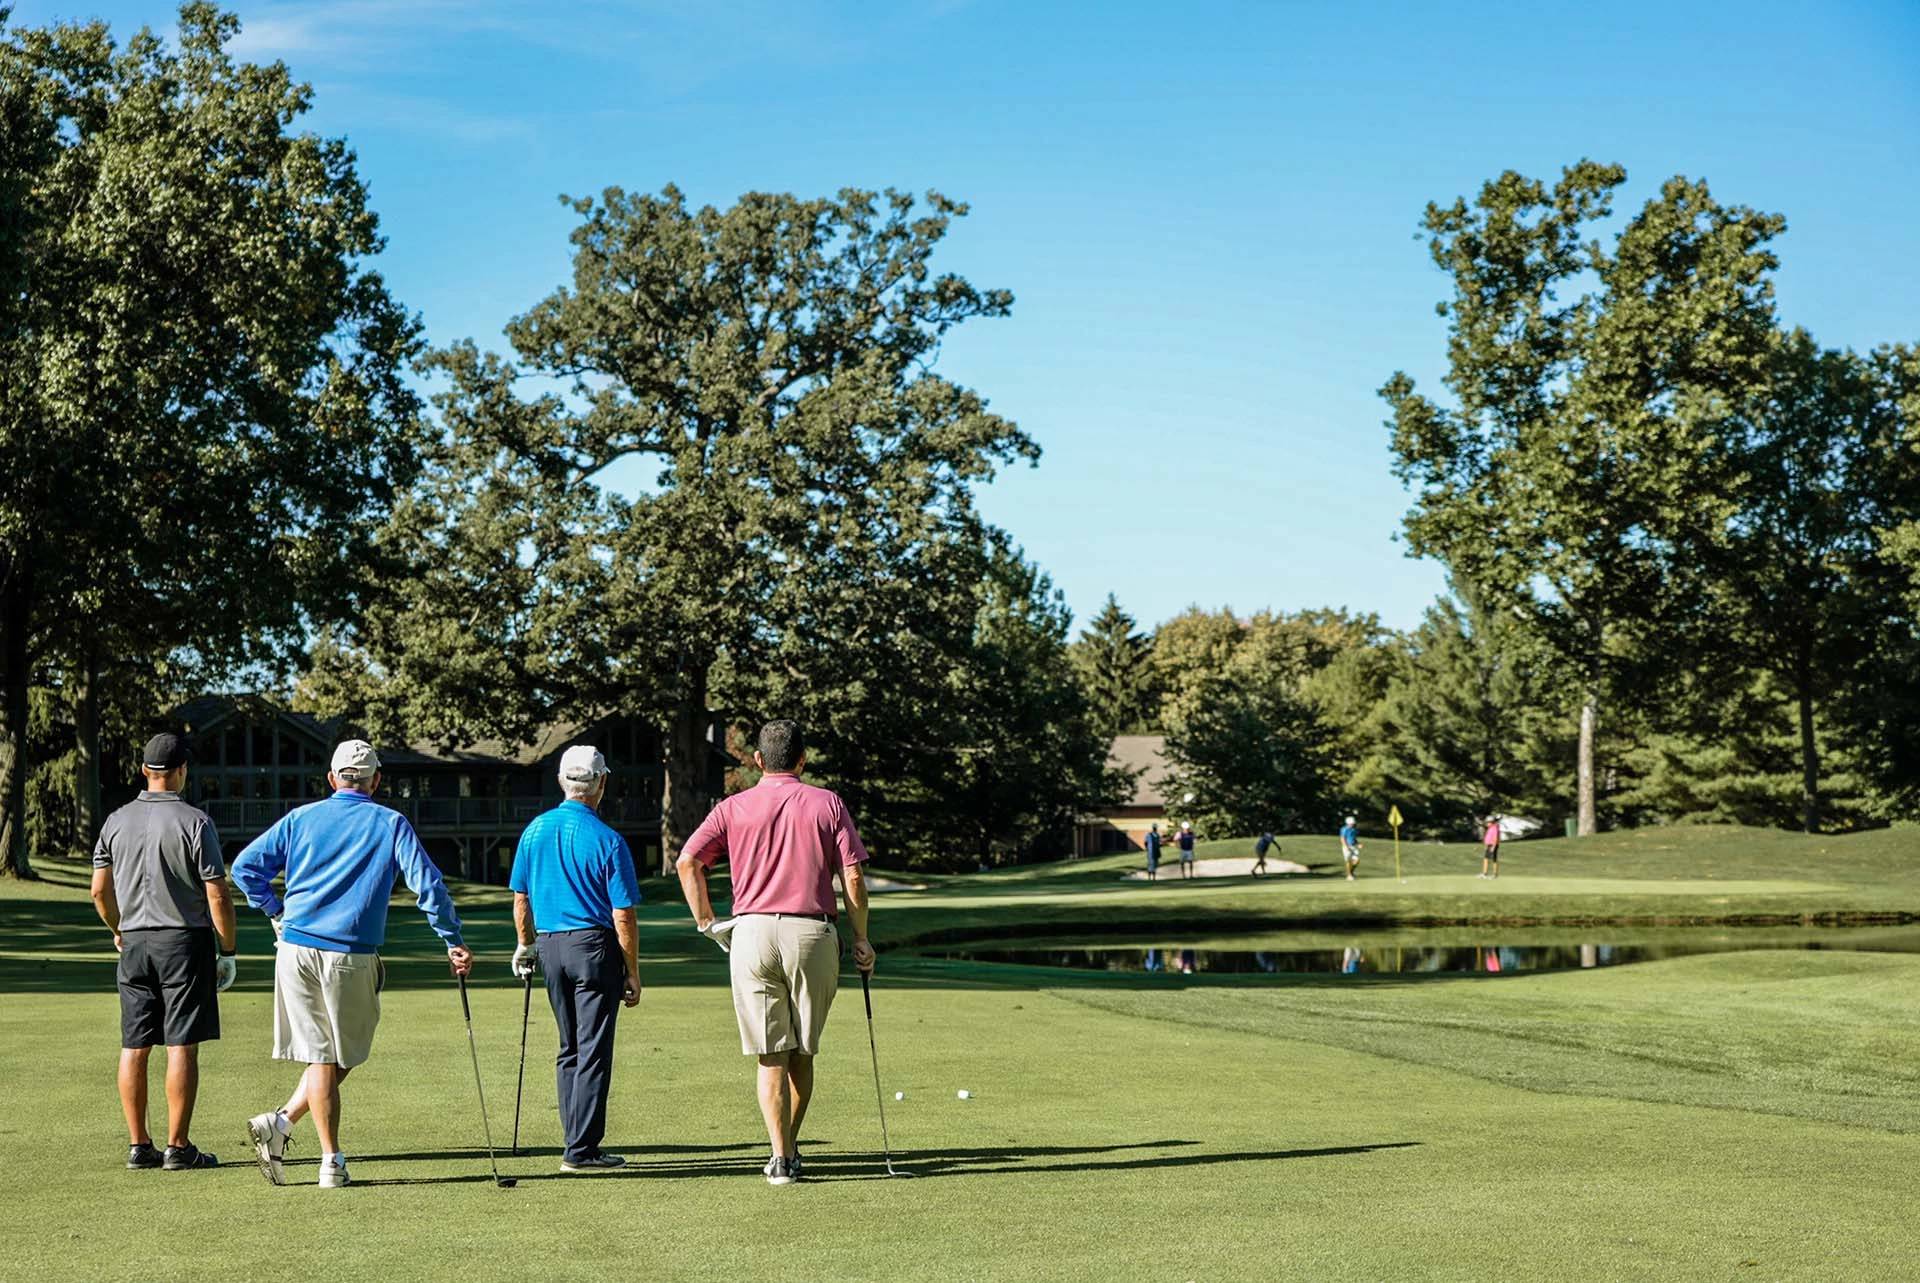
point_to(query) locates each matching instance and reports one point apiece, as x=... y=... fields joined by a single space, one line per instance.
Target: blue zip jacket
x=340 y=857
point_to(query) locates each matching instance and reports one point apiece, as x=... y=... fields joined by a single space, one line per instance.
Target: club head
x=896 y=1172
x=506 y=1182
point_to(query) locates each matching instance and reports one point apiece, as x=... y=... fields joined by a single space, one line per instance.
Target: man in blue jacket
x=574 y=892
x=340 y=858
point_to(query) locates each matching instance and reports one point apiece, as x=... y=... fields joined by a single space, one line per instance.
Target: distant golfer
x=1490 y=861
x=783 y=841
x=1261 y=846
x=574 y=892
x=1350 y=846
x=1184 y=840
x=340 y=857
x=1153 y=853
x=161 y=888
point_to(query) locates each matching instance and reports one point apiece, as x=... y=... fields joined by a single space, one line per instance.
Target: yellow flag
x=1393 y=817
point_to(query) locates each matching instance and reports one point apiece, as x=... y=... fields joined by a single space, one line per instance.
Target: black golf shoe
x=143 y=1156
x=186 y=1158
x=601 y=1161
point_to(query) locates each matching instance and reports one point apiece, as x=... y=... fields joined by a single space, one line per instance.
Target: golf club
x=526 y=1009
x=886 y=1148
x=504 y=1182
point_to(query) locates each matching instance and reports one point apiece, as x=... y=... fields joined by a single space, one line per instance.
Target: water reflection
x=1362 y=957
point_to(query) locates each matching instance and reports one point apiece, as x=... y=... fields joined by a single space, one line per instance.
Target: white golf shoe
x=333 y=1171
x=269 y=1132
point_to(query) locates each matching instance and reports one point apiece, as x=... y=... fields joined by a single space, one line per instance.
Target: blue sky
x=1206 y=211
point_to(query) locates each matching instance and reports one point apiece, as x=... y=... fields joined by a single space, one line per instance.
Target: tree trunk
x=15 y=597
x=1589 y=820
x=683 y=802
x=86 y=753
x=1809 y=749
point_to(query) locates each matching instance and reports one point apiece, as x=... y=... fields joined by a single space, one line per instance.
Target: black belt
x=811 y=917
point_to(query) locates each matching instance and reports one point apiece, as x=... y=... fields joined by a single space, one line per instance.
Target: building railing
x=428 y=814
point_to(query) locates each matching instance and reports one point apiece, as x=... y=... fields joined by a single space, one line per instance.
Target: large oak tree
x=202 y=400
x=1590 y=377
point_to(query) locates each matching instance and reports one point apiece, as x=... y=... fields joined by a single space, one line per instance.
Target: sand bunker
x=1239 y=868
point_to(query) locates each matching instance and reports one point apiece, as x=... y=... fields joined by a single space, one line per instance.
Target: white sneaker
x=333 y=1171
x=269 y=1134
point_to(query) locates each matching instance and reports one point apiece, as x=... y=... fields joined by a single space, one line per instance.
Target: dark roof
x=202 y=714
x=1146 y=755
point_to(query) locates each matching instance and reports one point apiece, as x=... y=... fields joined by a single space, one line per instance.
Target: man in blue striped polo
x=574 y=892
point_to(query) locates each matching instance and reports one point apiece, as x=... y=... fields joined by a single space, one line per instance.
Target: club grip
x=866 y=991
x=465 y=1010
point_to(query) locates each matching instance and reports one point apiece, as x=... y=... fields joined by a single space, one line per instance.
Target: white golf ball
x=899 y=1095
x=964 y=1094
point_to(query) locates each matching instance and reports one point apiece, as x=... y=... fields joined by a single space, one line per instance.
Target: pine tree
x=1470 y=723
x=1115 y=668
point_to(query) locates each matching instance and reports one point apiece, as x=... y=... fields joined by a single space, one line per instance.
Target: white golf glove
x=226 y=969
x=720 y=931
x=279 y=921
x=526 y=960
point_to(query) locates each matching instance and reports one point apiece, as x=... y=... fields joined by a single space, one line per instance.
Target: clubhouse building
x=254 y=760
x=1124 y=827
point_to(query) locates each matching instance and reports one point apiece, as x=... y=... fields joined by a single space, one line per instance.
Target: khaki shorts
x=785 y=973
x=326 y=1005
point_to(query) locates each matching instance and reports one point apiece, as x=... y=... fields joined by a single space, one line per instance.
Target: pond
x=1363 y=955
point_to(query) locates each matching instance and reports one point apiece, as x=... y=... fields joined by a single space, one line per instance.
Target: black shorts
x=169 y=987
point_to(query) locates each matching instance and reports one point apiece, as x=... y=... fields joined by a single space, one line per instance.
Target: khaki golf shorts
x=326 y=1005
x=785 y=973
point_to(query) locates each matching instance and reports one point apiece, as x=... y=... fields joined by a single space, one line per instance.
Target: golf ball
x=899 y=1095
x=964 y=1094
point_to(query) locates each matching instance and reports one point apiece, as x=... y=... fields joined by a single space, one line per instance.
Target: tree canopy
x=190 y=460
x=1590 y=379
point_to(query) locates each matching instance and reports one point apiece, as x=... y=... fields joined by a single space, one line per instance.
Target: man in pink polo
x=783 y=841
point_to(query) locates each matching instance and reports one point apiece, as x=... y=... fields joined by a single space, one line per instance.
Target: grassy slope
x=1744 y=1115
x=1648 y=876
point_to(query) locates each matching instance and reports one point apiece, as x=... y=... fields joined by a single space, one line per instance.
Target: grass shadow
x=862 y=1165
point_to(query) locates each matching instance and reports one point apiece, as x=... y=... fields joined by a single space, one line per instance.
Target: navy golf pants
x=586 y=975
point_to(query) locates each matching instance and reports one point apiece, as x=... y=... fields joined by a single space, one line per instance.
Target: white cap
x=1186 y=824
x=1351 y=820
x=355 y=758
x=583 y=764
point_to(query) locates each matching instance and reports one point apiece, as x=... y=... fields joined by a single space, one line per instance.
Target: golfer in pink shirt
x=783 y=840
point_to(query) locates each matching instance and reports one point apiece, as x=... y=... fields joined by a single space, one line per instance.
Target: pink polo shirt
x=783 y=839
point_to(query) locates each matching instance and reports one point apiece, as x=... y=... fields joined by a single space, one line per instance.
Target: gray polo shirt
x=162 y=852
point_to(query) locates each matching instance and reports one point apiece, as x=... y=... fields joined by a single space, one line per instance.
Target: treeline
x=230 y=458
x=1684 y=538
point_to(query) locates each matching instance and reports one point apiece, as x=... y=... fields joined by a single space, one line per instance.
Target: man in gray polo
x=160 y=886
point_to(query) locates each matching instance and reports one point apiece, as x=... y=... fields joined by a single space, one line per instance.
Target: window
x=262 y=746
x=234 y=751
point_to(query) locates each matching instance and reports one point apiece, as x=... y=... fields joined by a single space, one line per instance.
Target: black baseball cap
x=165 y=752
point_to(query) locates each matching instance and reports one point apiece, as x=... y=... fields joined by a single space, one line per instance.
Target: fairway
x=1742 y=1115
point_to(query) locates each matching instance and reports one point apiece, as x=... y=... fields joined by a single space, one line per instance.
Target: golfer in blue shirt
x=340 y=858
x=574 y=892
x=1350 y=845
